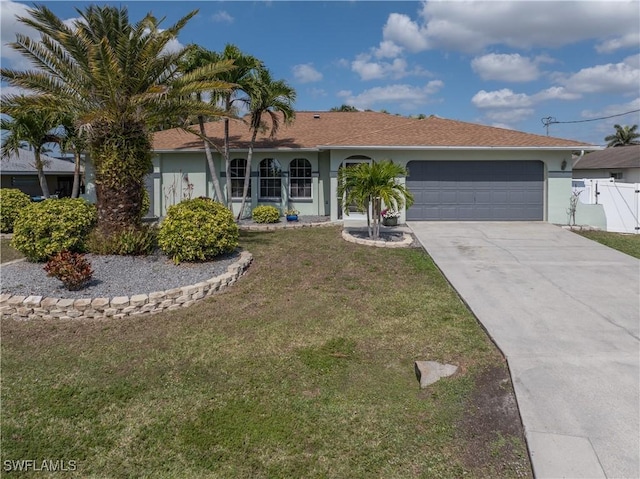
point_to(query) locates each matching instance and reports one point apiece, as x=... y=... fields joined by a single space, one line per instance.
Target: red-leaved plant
x=72 y=269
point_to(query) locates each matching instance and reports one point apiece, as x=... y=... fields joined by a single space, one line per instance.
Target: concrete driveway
x=565 y=311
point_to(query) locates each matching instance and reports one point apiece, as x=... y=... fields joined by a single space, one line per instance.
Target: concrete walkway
x=565 y=311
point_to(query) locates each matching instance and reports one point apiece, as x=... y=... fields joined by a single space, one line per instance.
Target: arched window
x=270 y=179
x=300 y=178
x=238 y=166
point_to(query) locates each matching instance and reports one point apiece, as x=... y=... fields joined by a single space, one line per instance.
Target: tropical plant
x=241 y=80
x=624 y=135
x=198 y=57
x=12 y=202
x=73 y=269
x=31 y=125
x=50 y=226
x=117 y=79
x=369 y=186
x=198 y=230
x=75 y=140
x=265 y=214
x=269 y=100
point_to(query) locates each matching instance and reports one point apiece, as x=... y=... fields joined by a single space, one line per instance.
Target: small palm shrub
x=72 y=269
x=12 y=202
x=198 y=230
x=140 y=240
x=265 y=214
x=46 y=228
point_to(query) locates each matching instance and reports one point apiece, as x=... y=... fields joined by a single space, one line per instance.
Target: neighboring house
x=621 y=163
x=18 y=171
x=457 y=170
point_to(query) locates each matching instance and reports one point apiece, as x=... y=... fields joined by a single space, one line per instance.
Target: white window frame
x=304 y=178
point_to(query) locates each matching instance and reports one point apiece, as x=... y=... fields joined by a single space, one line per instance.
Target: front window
x=270 y=178
x=300 y=178
x=238 y=165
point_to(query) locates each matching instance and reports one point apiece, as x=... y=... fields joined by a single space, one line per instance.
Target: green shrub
x=146 y=203
x=12 y=202
x=72 y=269
x=132 y=241
x=198 y=230
x=46 y=228
x=265 y=214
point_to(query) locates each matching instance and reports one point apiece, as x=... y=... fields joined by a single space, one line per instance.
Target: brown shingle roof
x=359 y=129
x=618 y=157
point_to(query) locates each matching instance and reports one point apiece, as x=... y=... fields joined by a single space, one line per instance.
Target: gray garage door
x=476 y=190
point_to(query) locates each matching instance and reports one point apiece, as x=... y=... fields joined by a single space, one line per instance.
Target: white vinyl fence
x=621 y=202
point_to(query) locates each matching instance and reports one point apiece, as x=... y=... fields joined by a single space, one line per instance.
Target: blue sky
x=506 y=64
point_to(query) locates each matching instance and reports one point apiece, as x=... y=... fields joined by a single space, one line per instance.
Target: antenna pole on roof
x=548 y=121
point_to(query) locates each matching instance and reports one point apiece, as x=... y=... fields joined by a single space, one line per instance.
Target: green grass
x=304 y=368
x=627 y=243
x=7 y=253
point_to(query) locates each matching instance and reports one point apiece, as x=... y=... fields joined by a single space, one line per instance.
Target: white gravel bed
x=113 y=276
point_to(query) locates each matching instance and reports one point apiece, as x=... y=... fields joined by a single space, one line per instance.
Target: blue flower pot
x=292 y=217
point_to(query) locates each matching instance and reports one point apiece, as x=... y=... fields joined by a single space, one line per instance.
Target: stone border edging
x=407 y=241
x=286 y=225
x=37 y=307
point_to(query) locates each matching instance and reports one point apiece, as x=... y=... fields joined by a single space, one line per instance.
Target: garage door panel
x=482 y=190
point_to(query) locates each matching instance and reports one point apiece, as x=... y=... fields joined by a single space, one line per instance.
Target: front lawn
x=303 y=369
x=627 y=243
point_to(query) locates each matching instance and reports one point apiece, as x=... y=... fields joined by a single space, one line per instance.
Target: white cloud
x=306 y=73
x=510 y=116
x=9 y=27
x=222 y=17
x=474 y=25
x=369 y=70
x=402 y=31
x=404 y=96
x=512 y=67
x=610 y=78
x=504 y=98
x=556 y=93
x=387 y=49
x=631 y=39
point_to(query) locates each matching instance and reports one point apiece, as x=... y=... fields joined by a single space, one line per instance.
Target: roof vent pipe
x=316 y=117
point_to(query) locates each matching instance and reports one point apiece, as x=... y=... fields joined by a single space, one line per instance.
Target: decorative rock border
x=37 y=307
x=286 y=225
x=407 y=241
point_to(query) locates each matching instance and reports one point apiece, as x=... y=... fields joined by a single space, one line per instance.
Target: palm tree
x=118 y=79
x=624 y=135
x=241 y=77
x=198 y=57
x=29 y=125
x=270 y=99
x=369 y=186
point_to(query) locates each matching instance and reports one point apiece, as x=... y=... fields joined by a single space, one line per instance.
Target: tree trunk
x=41 y=177
x=247 y=174
x=227 y=163
x=118 y=206
x=210 y=162
x=121 y=153
x=75 y=191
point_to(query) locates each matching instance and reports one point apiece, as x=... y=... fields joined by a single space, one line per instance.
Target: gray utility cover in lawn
x=565 y=311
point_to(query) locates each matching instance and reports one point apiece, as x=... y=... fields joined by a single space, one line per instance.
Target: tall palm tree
x=30 y=125
x=369 y=186
x=624 y=135
x=198 y=57
x=232 y=100
x=269 y=100
x=118 y=79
